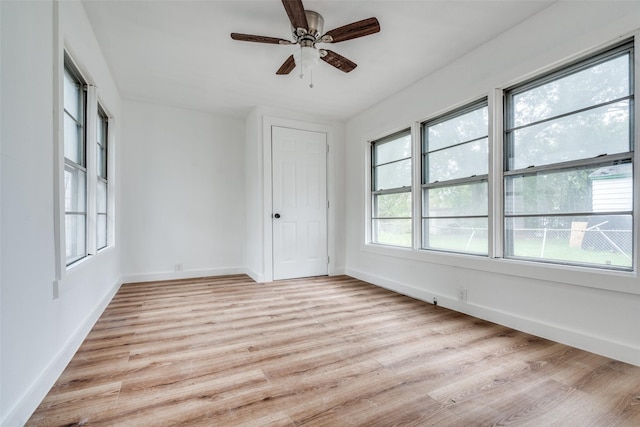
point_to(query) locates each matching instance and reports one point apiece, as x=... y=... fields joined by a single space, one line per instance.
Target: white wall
x=580 y=307
x=183 y=197
x=40 y=330
x=254 y=260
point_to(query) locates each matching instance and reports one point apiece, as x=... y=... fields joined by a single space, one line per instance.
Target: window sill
x=87 y=258
x=65 y=284
x=76 y=264
x=610 y=280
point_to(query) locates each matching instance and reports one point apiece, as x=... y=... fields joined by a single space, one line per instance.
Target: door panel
x=300 y=198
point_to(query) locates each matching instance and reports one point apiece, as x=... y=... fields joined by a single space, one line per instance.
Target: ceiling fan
x=307 y=26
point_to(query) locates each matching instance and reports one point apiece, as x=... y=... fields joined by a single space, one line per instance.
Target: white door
x=299 y=203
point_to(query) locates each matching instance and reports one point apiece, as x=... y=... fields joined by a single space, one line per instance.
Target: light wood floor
x=323 y=351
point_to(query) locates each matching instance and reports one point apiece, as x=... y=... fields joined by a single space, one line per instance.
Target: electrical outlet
x=462 y=294
x=178 y=267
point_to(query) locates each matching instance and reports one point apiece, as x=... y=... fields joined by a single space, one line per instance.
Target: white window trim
x=495 y=101
x=111 y=181
x=416 y=184
x=92 y=180
x=110 y=146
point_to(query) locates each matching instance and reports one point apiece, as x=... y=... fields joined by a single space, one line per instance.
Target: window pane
x=598 y=84
x=594 y=189
x=600 y=240
x=71 y=95
x=73 y=141
x=396 y=232
x=101 y=224
x=100 y=136
x=74 y=189
x=604 y=130
x=396 y=205
x=393 y=175
x=101 y=197
x=467 y=235
x=389 y=151
x=75 y=237
x=459 y=200
x=466 y=127
x=101 y=162
x=459 y=162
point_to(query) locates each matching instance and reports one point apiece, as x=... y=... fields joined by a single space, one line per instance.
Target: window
x=102 y=182
x=85 y=141
x=75 y=163
x=454 y=181
x=568 y=180
x=560 y=189
x=391 y=190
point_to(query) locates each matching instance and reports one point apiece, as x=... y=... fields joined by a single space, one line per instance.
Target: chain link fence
x=591 y=241
x=588 y=242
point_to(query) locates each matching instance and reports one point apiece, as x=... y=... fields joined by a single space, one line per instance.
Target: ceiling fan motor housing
x=308 y=37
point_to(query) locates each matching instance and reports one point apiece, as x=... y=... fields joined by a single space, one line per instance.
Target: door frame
x=267 y=191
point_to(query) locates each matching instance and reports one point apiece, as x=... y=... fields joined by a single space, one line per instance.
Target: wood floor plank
x=326 y=351
x=80 y=406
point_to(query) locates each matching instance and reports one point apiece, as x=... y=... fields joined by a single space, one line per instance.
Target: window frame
x=425 y=185
x=93 y=106
x=373 y=193
x=584 y=63
x=70 y=68
x=102 y=173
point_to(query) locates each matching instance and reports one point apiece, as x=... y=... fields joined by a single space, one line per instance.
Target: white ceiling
x=179 y=52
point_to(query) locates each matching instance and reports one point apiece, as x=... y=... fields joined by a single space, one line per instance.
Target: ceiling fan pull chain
x=311 y=79
x=301 y=64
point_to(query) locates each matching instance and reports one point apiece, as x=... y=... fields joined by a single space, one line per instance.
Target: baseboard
x=594 y=344
x=185 y=274
x=28 y=403
x=392 y=285
x=257 y=277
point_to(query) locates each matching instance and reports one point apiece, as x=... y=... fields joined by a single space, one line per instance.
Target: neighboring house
x=610 y=190
x=610 y=187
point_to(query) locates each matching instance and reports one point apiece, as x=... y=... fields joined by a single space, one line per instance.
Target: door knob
x=276 y=216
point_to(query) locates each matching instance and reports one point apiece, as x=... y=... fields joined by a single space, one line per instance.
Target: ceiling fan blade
x=295 y=11
x=354 y=30
x=258 y=39
x=338 y=61
x=287 y=66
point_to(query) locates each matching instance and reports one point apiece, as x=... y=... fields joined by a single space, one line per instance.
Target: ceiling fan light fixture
x=307 y=58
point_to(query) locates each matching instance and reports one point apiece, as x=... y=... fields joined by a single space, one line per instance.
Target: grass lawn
x=560 y=250
x=554 y=249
